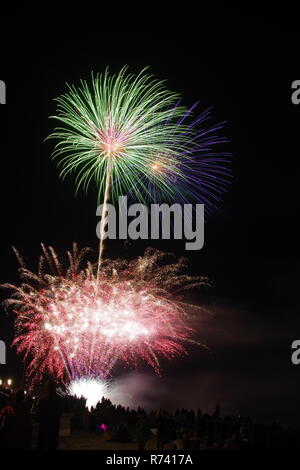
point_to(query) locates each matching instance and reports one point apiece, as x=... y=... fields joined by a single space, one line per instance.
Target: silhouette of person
x=143 y=431
x=17 y=427
x=48 y=415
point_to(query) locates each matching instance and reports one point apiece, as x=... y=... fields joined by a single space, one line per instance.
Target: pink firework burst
x=70 y=325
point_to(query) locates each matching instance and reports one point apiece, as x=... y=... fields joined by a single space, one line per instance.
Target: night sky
x=243 y=66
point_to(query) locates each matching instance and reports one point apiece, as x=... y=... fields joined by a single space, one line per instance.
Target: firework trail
x=130 y=135
x=72 y=325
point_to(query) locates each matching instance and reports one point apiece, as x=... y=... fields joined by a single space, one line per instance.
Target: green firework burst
x=124 y=130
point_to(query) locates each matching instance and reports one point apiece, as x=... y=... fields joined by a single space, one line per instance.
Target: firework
x=71 y=324
x=132 y=132
x=130 y=135
x=92 y=389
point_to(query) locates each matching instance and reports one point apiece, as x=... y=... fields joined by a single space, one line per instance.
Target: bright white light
x=90 y=388
x=128 y=330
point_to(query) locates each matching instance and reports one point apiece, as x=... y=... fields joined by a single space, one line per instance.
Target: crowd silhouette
x=158 y=429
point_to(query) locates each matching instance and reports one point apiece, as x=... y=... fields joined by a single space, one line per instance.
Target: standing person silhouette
x=16 y=424
x=48 y=415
